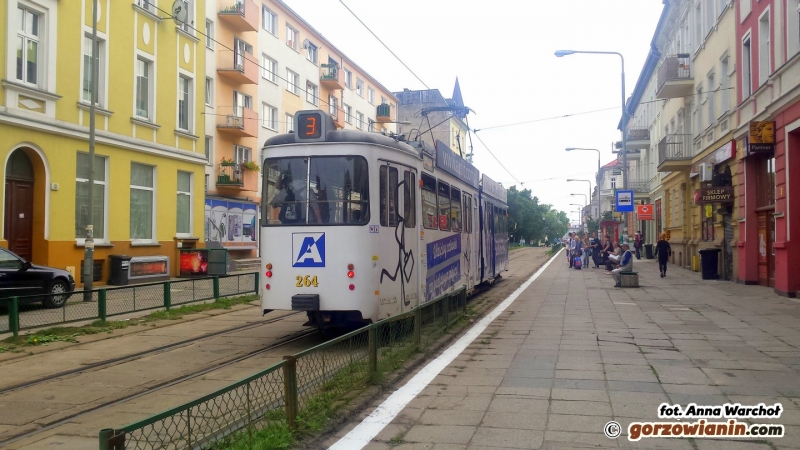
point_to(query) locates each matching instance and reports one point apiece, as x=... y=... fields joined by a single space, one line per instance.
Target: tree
x=532 y=221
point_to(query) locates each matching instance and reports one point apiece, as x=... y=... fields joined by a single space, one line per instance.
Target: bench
x=629 y=279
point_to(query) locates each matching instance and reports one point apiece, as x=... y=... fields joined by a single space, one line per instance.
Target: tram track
x=158 y=386
x=138 y=355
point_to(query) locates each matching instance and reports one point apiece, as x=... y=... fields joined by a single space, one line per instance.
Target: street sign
x=624 y=201
x=645 y=212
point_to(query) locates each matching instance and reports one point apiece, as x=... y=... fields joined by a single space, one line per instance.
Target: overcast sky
x=502 y=53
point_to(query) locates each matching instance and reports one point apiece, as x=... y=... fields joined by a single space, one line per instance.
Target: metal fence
x=19 y=313
x=293 y=394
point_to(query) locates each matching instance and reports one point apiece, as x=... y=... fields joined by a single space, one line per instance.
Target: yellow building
x=149 y=164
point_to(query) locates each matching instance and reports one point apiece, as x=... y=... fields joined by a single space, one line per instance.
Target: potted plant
x=251 y=165
x=227 y=162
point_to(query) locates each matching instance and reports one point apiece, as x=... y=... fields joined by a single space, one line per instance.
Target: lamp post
x=597 y=177
x=590 y=191
x=624 y=151
x=584 y=199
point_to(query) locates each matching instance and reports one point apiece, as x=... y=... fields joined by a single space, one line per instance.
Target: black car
x=21 y=278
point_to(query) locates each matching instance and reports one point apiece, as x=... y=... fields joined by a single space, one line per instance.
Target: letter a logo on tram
x=308 y=249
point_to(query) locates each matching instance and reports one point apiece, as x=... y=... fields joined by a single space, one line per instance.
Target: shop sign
x=645 y=212
x=723 y=194
x=761 y=138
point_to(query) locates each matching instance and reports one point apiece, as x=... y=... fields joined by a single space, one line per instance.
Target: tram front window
x=323 y=190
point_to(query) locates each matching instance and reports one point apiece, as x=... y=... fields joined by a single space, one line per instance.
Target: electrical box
x=706 y=172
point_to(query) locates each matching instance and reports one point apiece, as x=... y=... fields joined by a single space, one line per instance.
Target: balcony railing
x=677 y=149
x=331 y=76
x=240 y=67
x=242 y=14
x=639 y=186
x=237 y=121
x=383 y=113
x=675 y=77
x=234 y=175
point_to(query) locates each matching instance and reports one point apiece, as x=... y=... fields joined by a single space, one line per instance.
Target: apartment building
x=279 y=65
x=680 y=128
x=149 y=157
x=768 y=143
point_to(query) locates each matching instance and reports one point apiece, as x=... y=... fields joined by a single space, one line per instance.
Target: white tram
x=357 y=226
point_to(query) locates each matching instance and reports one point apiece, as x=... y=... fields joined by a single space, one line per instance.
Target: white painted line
x=362 y=434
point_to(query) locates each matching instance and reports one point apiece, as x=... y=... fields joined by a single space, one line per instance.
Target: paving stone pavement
x=573 y=353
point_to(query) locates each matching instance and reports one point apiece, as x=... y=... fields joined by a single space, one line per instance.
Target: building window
x=747 y=69
x=82 y=197
x=359 y=87
x=241 y=101
x=291 y=37
x=613 y=183
x=269 y=68
x=699 y=111
x=28 y=45
x=311 y=52
x=710 y=99
x=209 y=143
x=764 y=48
x=241 y=48
x=144 y=88
x=210 y=34
x=348 y=113
x=292 y=81
x=333 y=105
x=148 y=5
x=142 y=205
x=289 y=123
x=184 y=103
x=698 y=25
x=241 y=154
x=794 y=26
x=676 y=208
x=359 y=120
x=745 y=6
x=209 y=91
x=370 y=125
x=311 y=93
x=184 y=204
x=269 y=21
x=709 y=15
x=187 y=27
x=383 y=100
x=765 y=182
x=348 y=79
x=88 y=67
x=724 y=86
x=269 y=116
x=371 y=96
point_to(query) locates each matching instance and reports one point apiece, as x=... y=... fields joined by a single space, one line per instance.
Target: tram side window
x=455 y=209
x=444 y=205
x=388 y=193
x=467 y=213
x=409 y=199
x=429 y=216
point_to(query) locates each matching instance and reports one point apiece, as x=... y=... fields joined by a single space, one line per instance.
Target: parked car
x=20 y=278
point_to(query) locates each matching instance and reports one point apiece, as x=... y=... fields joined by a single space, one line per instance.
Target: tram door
x=399 y=244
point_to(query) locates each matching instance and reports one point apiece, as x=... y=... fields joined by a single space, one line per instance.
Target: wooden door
x=766 y=260
x=19 y=217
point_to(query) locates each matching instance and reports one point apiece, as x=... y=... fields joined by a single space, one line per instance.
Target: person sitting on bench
x=625 y=264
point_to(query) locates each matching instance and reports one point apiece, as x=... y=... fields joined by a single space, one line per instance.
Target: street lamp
x=624 y=150
x=590 y=190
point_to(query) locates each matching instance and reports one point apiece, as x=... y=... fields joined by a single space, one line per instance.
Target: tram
x=357 y=226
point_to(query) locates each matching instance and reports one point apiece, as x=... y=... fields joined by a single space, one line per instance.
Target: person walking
x=625 y=264
x=663 y=251
x=571 y=249
x=587 y=250
x=637 y=244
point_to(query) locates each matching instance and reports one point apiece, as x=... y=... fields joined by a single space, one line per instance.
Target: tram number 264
x=306 y=281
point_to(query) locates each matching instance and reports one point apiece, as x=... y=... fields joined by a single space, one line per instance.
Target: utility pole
x=88 y=247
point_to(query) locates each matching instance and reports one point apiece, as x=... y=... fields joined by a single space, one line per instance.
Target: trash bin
x=119 y=269
x=708 y=262
x=648 y=251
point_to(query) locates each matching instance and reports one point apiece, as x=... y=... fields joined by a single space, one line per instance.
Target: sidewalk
x=573 y=353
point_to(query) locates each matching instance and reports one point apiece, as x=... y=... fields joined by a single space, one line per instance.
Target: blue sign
x=624 y=201
x=443 y=249
x=493 y=188
x=442 y=279
x=455 y=165
x=308 y=249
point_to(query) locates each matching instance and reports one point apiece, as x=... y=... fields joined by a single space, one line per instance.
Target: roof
x=610 y=165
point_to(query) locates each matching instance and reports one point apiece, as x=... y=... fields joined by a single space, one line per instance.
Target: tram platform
x=572 y=353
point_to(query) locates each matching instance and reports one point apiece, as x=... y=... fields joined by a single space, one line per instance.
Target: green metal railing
x=28 y=312
x=287 y=396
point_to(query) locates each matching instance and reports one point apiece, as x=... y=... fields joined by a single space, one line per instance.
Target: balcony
x=638 y=139
x=241 y=122
x=236 y=176
x=337 y=114
x=240 y=14
x=241 y=68
x=331 y=76
x=675 y=152
x=383 y=113
x=675 y=77
x=640 y=188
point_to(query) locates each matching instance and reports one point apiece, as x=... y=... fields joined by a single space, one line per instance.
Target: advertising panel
x=455 y=165
x=232 y=224
x=194 y=263
x=761 y=138
x=645 y=212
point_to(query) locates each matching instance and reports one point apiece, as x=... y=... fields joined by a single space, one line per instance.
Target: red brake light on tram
x=267 y=286
x=350 y=274
x=352 y=287
x=269 y=274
